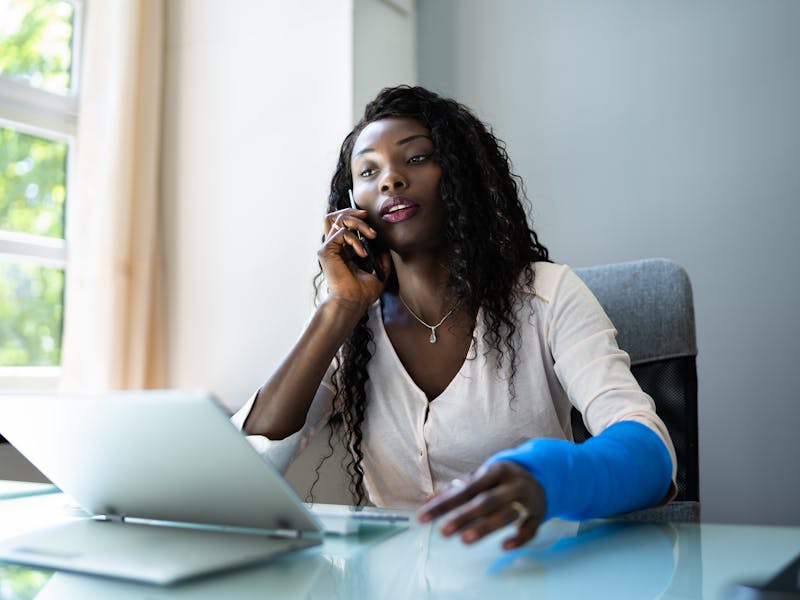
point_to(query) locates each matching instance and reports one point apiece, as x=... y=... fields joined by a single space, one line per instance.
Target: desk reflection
x=598 y=560
x=283 y=578
x=602 y=559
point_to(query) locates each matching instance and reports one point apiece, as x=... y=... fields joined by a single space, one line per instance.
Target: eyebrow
x=405 y=140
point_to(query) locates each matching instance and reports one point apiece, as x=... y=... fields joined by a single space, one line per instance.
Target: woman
x=472 y=344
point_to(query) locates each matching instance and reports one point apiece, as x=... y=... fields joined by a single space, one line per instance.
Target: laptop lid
x=169 y=469
x=161 y=455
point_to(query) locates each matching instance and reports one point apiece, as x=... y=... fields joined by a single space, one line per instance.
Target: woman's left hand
x=491 y=498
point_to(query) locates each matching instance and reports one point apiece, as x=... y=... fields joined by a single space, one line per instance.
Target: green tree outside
x=36 y=50
x=36 y=42
x=32 y=184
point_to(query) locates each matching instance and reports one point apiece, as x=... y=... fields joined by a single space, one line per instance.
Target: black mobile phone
x=368 y=263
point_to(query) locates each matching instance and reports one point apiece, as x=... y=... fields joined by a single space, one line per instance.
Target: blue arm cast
x=626 y=467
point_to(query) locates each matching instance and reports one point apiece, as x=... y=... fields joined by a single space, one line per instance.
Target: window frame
x=53 y=116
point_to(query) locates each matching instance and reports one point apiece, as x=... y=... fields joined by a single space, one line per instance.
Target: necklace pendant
x=432 y=338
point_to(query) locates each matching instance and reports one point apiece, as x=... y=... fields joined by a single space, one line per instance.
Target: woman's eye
x=419 y=158
x=366 y=172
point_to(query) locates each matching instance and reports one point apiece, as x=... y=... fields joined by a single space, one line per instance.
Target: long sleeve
x=593 y=370
x=281 y=453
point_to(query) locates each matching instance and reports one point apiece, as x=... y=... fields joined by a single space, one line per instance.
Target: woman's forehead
x=390 y=130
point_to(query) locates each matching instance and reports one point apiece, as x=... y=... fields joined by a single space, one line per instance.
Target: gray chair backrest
x=650 y=304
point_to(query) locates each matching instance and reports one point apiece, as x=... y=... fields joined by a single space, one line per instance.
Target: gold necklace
x=431 y=339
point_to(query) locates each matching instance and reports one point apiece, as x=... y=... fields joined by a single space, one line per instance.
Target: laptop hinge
x=112 y=518
x=287 y=533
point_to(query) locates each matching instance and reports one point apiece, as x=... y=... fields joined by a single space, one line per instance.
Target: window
x=39 y=82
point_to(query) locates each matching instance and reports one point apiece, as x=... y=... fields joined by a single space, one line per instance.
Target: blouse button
x=420 y=451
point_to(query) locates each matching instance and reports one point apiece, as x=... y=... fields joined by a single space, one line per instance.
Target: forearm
x=624 y=468
x=282 y=403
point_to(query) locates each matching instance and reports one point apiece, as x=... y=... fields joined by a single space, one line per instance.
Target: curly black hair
x=492 y=247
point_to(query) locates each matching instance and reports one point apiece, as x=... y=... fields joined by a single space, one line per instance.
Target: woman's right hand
x=346 y=282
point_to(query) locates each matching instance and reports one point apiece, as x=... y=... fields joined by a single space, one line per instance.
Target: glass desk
x=597 y=559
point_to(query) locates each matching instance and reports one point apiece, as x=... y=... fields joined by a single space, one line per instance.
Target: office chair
x=650 y=303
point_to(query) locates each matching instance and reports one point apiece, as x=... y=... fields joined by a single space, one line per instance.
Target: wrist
x=342 y=313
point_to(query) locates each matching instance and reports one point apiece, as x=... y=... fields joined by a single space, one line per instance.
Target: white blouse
x=567 y=355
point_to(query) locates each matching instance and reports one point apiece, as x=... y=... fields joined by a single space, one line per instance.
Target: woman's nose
x=393 y=180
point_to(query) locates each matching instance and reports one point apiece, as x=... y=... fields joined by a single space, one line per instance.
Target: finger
x=358 y=225
x=332 y=216
x=525 y=533
x=447 y=499
x=331 y=230
x=355 y=239
x=503 y=516
x=483 y=526
x=337 y=240
x=334 y=223
x=357 y=242
x=498 y=517
x=483 y=514
x=347 y=217
x=454 y=496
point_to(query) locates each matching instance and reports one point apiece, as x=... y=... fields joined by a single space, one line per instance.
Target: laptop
x=172 y=489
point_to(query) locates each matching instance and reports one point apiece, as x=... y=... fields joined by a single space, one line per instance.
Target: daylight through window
x=39 y=42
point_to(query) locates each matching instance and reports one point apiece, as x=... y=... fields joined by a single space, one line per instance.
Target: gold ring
x=522 y=512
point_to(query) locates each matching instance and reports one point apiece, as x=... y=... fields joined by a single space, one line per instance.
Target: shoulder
x=559 y=293
x=549 y=280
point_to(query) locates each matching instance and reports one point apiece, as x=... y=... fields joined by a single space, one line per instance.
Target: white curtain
x=113 y=304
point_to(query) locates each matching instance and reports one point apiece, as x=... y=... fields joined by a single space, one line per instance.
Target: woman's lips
x=401 y=214
x=398 y=209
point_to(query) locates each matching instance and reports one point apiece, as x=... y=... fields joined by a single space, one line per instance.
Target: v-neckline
x=402 y=368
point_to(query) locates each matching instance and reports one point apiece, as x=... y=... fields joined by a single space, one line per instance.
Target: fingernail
x=469 y=536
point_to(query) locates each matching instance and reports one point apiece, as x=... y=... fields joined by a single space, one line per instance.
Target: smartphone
x=369 y=263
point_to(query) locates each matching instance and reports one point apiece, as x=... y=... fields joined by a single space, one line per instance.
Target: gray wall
x=381 y=59
x=663 y=128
